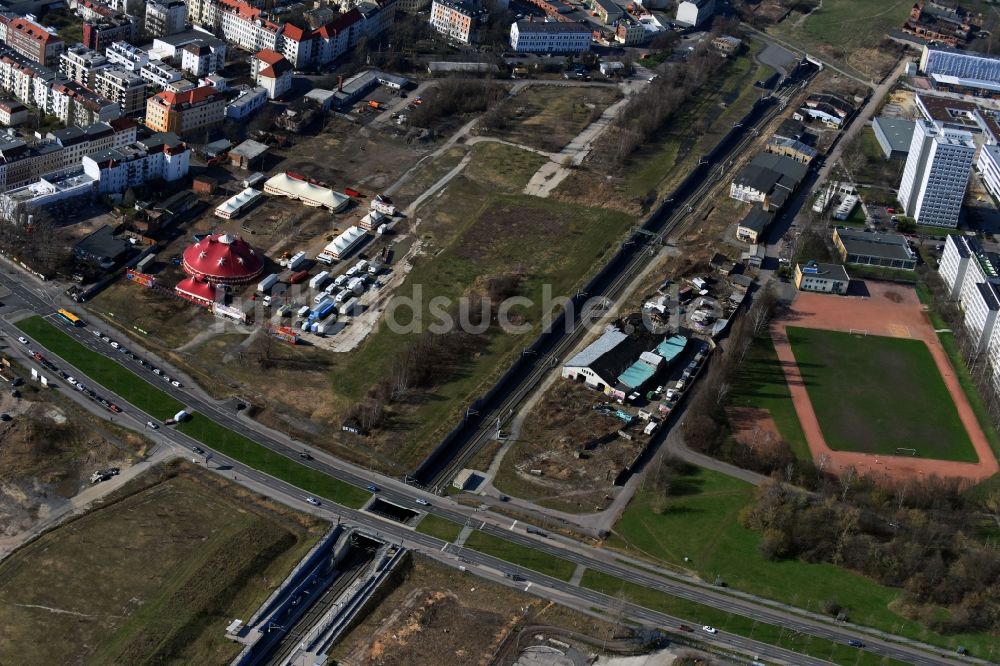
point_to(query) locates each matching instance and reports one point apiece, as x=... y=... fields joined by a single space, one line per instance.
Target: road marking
x=527 y=586
x=444 y=546
x=512 y=526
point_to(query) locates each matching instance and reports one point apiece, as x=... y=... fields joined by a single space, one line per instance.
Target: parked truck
x=356 y=285
x=319 y=280
x=323 y=310
x=267 y=283
x=296 y=261
x=348 y=306
x=298 y=277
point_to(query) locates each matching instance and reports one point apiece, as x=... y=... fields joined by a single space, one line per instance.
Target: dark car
x=197 y=449
x=372 y=488
x=855 y=643
x=305 y=456
x=685 y=627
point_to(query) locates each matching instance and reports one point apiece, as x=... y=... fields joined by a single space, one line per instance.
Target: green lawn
x=152 y=400
x=699 y=614
x=852 y=381
x=515 y=553
x=760 y=383
x=700 y=522
x=439 y=527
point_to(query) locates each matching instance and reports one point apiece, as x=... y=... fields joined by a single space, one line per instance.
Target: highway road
x=24 y=296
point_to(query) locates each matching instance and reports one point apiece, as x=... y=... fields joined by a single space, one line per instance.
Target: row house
x=75 y=105
x=248 y=27
x=160 y=74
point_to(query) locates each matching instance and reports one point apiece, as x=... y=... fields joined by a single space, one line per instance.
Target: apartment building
x=21 y=163
x=80 y=64
x=160 y=74
x=248 y=27
x=458 y=20
x=165 y=18
x=185 y=112
x=125 y=56
x=124 y=88
x=272 y=72
x=936 y=174
x=203 y=57
x=76 y=142
x=325 y=44
x=160 y=156
x=549 y=37
x=32 y=41
x=988 y=166
x=74 y=104
x=12 y=113
x=98 y=35
x=247 y=103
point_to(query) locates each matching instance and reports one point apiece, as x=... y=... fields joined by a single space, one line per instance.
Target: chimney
x=340 y=83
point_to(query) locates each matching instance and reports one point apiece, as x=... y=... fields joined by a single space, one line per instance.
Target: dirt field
x=437 y=615
x=889 y=310
x=152 y=578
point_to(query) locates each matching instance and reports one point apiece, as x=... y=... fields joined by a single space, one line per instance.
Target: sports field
x=880 y=395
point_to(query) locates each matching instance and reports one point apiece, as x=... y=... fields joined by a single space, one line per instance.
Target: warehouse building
x=869 y=249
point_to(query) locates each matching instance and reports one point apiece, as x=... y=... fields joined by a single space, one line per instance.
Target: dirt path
x=889 y=310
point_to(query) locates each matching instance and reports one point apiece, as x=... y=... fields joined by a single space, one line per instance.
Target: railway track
x=492 y=421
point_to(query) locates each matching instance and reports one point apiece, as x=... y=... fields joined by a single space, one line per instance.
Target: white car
x=72 y=381
x=115 y=344
x=313 y=501
x=421 y=501
x=176 y=383
x=152 y=425
x=96 y=332
x=710 y=629
x=23 y=340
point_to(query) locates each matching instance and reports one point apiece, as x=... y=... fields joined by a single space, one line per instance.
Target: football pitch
x=875 y=394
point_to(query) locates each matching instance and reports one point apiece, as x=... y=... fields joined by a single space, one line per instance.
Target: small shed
x=204 y=185
x=322 y=98
x=217 y=148
x=248 y=155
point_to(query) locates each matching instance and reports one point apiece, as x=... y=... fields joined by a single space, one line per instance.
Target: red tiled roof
x=269 y=56
x=341 y=23
x=297 y=34
x=33 y=30
x=193 y=96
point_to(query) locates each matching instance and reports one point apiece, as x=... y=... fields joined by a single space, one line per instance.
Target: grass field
x=700 y=522
x=836 y=652
x=878 y=394
x=439 y=527
x=760 y=383
x=520 y=555
x=153 y=578
x=152 y=400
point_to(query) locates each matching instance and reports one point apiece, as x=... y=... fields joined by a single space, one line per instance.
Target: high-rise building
x=936 y=174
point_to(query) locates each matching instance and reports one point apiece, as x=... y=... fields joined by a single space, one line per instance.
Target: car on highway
x=115 y=408
x=96 y=332
x=710 y=629
x=313 y=501
x=305 y=455
x=157 y=371
x=72 y=381
x=372 y=488
x=105 y=338
x=855 y=643
x=115 y=344
x=685 y=627
x=23 y=340
x=80 y=387
x=150 y=424
x=197 y=449
x=176 y=383
x=422 y=502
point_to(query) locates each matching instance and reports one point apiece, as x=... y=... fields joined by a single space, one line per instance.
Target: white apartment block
x=201 y=58
x=249 y=28
x=693 y=13
x=936 y=174
x=80 y=64
x=161 y=156
x=973 y=279
x=124 y=88
x=126 y=56
x=550 y=37
x=77 y=142
x=247 y=104
x=166 y=17
x=159 y=73
x=959 y=250
x=988 y=166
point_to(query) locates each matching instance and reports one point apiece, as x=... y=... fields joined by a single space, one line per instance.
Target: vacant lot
x=852 y=380
x=170 y=322
x=576 y=450
x=549 y=117
x=437 y=615
x=152 y=578
x=849 y=32
x=698 y=521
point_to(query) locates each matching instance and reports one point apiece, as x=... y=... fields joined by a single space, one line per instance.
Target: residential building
x=98 y=35
x=629 y=32
x=203 y=57
x=550 y=37
x=825 y=278
x=79 y=141
x=91 y=10
x=80 y=64
x=272 y=72
x=62 y=187
x=692 y=13
x=74 y=104
x=12 y=113
x=727 y=45
x=323 y=45
x=247 y=103
x=988 y=166
x=160 y=156
x=936 y=174
x=964 y=264
x=607 y=10
x=874 y=249
x=32 y=41
x=126 y=56
x=769 y=180
x=248 y=27
x=21 y=164
x=124 y=88
x=160 y=74
x=165 y=17
x=185 y=112
x=458 y=20
x=981 y=309
x=894 y=136
x=753 y=225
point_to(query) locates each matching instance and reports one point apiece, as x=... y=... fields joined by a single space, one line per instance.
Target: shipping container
x=296 y=261
x=268 y=282
x=351 y=192
x=298 y=277
x=348 y=307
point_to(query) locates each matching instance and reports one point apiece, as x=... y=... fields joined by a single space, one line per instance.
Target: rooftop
x=249 y=149
x=897 y=131
x=887 y=245
x=551 y=27
x=757 y=219
x=826 y=271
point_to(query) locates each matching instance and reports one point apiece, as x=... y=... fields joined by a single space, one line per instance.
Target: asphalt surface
x=25 y=296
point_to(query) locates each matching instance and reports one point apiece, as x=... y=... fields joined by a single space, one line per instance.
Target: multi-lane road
x=26 y=296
